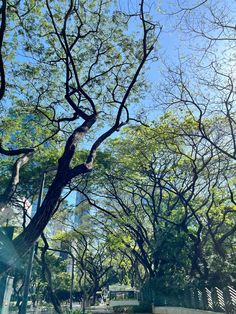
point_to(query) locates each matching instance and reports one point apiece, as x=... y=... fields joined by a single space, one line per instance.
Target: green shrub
x=123 y=309
x=143 y=307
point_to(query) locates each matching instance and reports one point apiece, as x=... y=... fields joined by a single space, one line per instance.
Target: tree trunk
x=11 y=251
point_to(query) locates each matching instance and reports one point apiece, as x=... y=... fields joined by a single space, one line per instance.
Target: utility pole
x=23 y=306
x=72 y=281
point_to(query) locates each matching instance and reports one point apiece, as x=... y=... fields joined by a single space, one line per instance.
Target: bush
x=123 y=309
x=142 y=308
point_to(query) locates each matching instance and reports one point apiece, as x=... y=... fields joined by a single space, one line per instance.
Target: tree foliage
x=170 y=199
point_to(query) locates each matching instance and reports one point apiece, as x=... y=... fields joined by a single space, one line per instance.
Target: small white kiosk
x=120 y=295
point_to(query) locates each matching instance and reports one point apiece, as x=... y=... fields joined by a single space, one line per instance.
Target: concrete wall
x=179 y=310
x=123 y=302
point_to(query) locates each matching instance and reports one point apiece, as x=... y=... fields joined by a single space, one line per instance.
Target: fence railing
x=213 y=299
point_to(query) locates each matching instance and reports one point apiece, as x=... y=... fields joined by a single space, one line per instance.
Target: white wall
x=179 y=310
x=123 y=302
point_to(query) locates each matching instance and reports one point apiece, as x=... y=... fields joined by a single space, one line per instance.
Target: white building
x=14 y=215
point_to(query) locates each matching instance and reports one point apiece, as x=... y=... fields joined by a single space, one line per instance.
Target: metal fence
x=205 y=299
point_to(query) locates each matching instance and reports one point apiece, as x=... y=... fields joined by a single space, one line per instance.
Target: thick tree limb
x=50 y=204
x=5 y=198
x=14 y=152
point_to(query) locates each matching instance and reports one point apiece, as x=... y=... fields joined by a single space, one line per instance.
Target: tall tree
x=73 y=68
x=169 y=201
x=204 y=86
